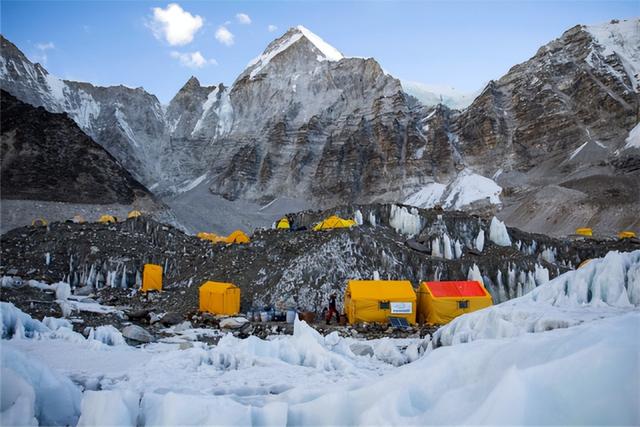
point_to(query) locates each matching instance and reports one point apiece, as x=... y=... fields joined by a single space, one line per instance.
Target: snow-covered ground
x=566 y=353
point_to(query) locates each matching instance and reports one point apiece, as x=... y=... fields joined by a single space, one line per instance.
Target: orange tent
x=441 y=302
x=238 y=236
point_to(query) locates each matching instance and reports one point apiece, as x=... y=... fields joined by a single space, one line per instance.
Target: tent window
x=384 y=305
x=463 y=304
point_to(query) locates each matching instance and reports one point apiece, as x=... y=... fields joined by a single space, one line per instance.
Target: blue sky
x=459 y=44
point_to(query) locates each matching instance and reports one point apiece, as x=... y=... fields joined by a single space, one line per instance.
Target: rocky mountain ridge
x=304 y=122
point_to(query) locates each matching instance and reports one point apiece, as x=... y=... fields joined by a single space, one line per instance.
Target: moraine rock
x=138 y=334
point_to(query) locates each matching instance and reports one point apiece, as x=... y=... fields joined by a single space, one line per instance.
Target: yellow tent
x=134 y=214
x=220 y=298
x=212 y=237
x=626 y=235
x=105 y=219
x=39 y=222
x=152 y=278
x=441 y=302
x=584 y=232
x=237 y=236
x=334 y=222
x=78 y=219
x=283 y=223
x=377 y=300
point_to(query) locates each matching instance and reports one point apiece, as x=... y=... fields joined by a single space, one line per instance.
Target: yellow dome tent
x=584 y=232
x=441 y=302
x=219 y=298
x=151 y=278
x=626 y=235
x=334 y=222
x=134 y=214
x=377 y=300
x=283 y=223
x=238 y=236
x=106 y=219
x=39 y=222
x=78 y=219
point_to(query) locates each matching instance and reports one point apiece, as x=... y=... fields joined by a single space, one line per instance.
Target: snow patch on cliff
x=633 y=140
x=620 y=38
x=427 y=197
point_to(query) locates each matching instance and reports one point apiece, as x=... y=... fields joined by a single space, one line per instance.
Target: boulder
x=233 y=322
x=171 y=318
x=137 y=333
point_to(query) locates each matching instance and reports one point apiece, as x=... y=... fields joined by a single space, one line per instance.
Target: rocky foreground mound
x=294 y=268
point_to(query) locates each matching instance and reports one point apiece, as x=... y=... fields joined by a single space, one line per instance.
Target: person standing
x=332 y=309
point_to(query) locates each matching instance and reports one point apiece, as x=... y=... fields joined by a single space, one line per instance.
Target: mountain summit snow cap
x=326 y=52
x=329 y=52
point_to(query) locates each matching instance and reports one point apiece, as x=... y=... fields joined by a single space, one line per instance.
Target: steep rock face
x=575 y=90
x=45 y=156
x=554 y=132
x=311 y=123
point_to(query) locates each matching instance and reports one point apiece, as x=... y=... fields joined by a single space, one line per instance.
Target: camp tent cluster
x=435 y=302
x=588 y=232
x=237 y=236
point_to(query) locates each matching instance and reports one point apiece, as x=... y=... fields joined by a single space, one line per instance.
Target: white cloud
x=175 y=25
x=243 y=18
x=272 y=28
x=192 y=59
x=41 y=55
x=224 y=36
x=45 y=46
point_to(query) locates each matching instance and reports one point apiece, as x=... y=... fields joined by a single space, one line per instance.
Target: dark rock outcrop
x=45 y=156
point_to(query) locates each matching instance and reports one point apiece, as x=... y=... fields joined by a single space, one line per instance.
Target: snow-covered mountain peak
x=324 y=51
x=329 y=52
